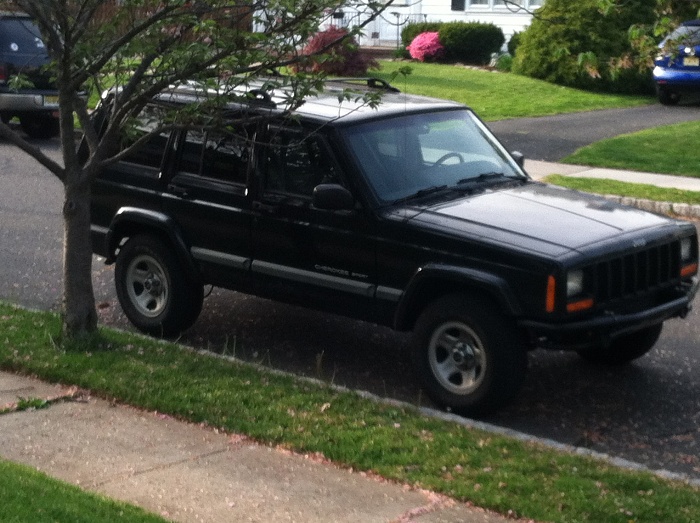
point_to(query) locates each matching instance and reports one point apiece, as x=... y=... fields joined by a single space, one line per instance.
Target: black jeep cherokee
x=411 y=215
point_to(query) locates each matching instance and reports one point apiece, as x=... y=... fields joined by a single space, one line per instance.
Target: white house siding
x=383 y=31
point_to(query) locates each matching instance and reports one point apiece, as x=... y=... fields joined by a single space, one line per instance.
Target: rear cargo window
x=20 y=35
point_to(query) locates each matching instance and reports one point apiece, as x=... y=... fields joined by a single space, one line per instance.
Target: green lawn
x=496 y=95
x=633 y=190
x=671 y=149
x=398 y=443
x=30 y=496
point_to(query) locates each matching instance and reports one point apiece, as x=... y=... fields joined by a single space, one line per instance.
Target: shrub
x=342 y=59
x=504 y=63
x=572 y=43
x=513 y=43
x=409 y=33
x=426 y=47
x=472 y=42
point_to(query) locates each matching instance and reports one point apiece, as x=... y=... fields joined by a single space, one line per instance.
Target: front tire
x=156 y=294
x=467 y=355
x=626 y=348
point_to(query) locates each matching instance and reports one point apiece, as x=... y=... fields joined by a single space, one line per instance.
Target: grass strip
x=633 y=190
x=669 y=149
x=496 y=95
x=29 y=495
x=491 y=471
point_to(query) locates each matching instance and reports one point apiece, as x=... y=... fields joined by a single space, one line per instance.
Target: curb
x=681 y=210
x=470 y=423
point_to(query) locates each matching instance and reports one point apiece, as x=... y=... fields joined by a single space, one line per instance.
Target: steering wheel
x=446 y=157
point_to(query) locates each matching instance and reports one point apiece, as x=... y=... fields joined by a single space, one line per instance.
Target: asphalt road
x=647 y=412
x=552 y=138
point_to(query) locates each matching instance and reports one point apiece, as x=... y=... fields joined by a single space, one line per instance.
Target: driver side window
x=296 y=163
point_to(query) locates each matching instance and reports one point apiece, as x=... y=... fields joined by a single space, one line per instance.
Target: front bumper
x=601 y=330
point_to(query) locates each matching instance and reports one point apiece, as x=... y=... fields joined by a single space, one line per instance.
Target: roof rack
x=371 y=82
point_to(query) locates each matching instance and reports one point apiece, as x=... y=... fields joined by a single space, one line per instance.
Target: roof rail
x=249 y=97
x=371 y=82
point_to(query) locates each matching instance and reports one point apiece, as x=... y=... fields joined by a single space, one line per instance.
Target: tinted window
x=150 y=152
x=219 y=155
x=401 y=156
x=296 y=163
x=20 y=35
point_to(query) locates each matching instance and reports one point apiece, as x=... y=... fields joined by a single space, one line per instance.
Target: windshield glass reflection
x=416 y=155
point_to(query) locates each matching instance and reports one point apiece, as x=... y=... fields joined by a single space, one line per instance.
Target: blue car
x=677 y=68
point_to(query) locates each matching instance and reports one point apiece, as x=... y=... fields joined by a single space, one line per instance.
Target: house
x=510 y=15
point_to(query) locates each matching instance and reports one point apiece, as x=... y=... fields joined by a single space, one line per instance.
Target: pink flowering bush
x=341 y=55
x=426 y=47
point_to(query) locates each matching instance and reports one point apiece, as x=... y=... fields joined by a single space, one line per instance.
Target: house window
x=509 y=3
x=479 y=3
x=458 y=5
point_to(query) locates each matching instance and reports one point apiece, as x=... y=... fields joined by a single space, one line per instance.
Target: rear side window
x=219 y=155
x=149 y=153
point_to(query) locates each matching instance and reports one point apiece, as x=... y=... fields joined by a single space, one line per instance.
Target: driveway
x=551 y=138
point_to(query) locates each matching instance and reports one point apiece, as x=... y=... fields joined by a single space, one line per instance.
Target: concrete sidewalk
x=186 y=472
x=538 y=170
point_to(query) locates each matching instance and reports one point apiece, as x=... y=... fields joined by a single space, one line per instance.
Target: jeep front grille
x=638 y=273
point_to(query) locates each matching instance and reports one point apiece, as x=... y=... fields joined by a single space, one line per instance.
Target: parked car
x=677 y=68
x=22 y=53
x=411 y=215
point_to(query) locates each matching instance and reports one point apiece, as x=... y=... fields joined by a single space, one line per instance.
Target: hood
x=540 y=218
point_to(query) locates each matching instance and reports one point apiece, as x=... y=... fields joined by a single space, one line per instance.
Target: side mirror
x=332 y=197
x=519 y=158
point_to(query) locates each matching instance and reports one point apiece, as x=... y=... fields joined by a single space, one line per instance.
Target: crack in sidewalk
x=163 y=466
x=30 y=403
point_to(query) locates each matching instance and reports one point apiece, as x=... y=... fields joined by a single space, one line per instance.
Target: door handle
x=178 y=191
x=259 y=206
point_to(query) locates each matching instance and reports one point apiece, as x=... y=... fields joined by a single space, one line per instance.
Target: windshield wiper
x=482 y=177
x=421 y=193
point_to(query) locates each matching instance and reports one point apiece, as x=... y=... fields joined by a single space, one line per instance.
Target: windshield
x=414 y=155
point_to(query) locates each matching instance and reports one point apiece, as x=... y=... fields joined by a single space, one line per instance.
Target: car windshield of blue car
x=417 y=155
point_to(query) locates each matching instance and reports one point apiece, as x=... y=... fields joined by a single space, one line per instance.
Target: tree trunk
x=79 y=314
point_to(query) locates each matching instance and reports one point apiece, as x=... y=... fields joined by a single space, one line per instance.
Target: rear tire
x=668 y=97
x=626 y=348
x=156 y=294
x=40 y=126
x=467 y=355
